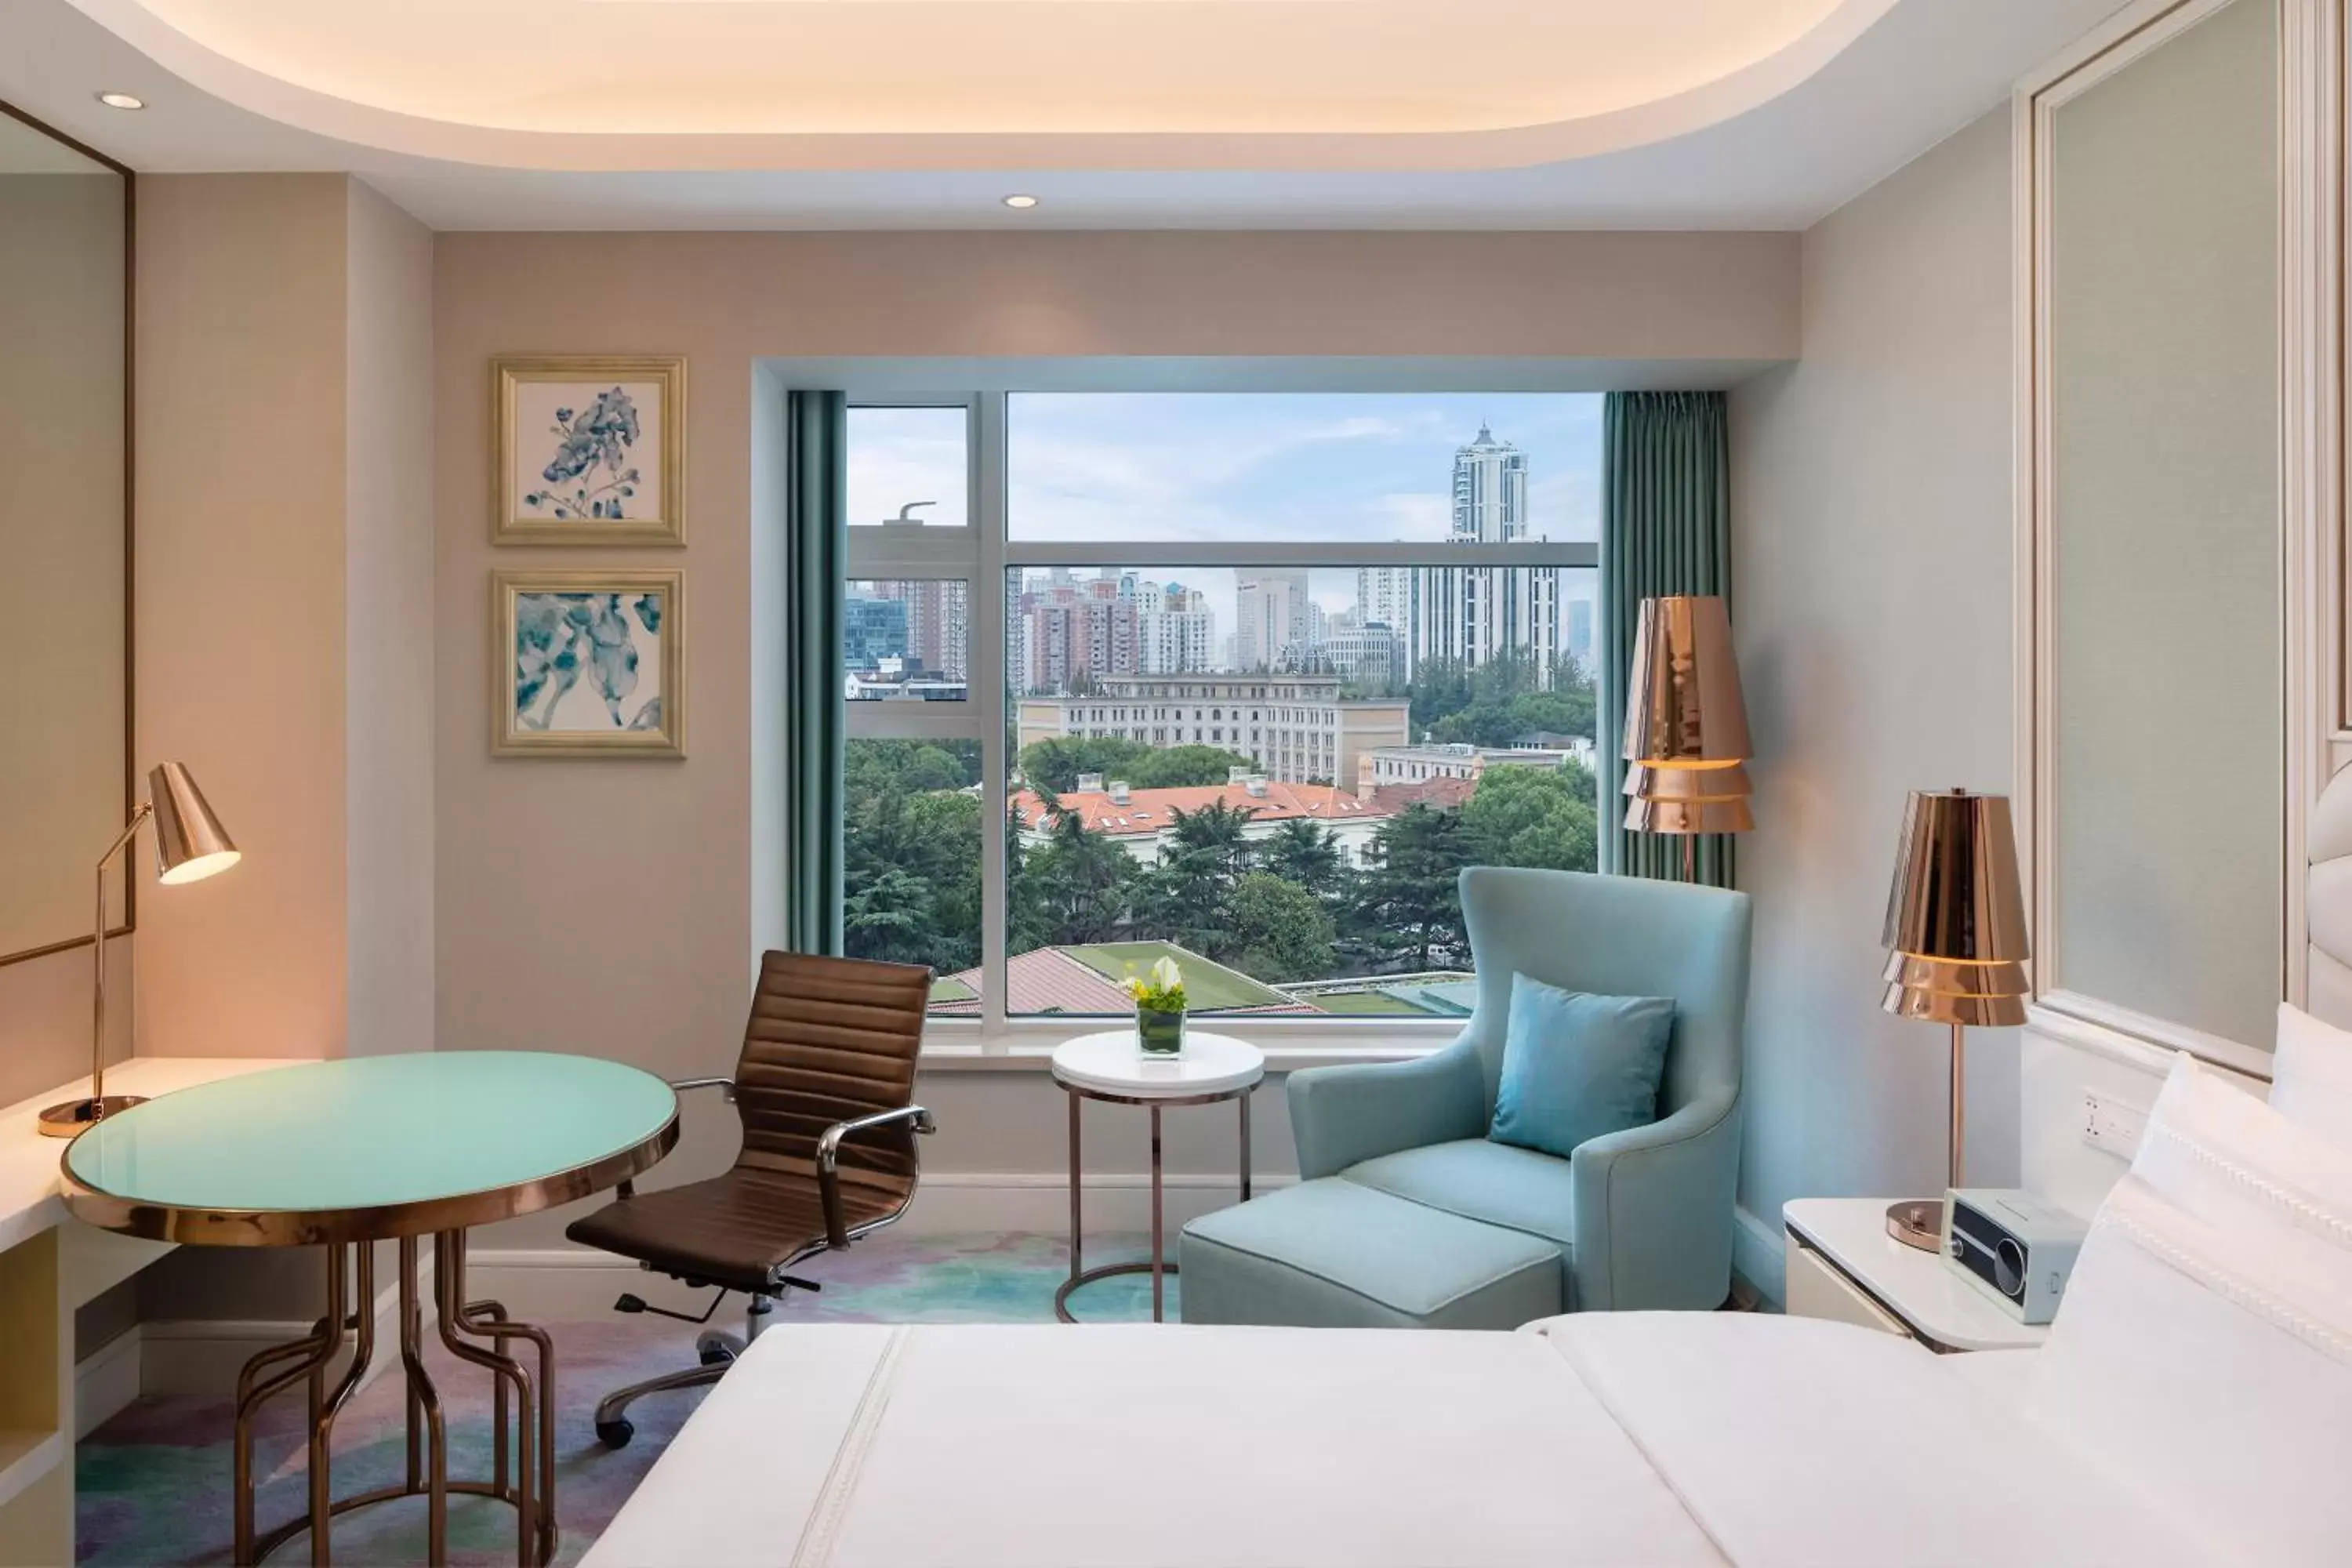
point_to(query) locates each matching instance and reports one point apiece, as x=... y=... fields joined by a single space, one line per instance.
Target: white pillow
x=2203 y=1354
x=2311 y=1074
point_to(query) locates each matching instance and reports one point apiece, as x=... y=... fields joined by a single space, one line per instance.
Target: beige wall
x=285 y=615
x=241 y=329
x=608 y=906
x=1871 y=575
x=388 y=626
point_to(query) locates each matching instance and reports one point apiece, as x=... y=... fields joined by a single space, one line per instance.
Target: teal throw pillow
x=1576 y=1066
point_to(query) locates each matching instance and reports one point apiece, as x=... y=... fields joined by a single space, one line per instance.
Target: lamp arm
x=97 y=951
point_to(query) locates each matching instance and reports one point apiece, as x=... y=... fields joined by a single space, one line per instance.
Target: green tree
x=1524 y=815
x=1279 y=931
x=1183 y=767
x=1056 y=763
x=1302 y=851
x=1082 y=880
x=1407 y=912
x=1187 y=896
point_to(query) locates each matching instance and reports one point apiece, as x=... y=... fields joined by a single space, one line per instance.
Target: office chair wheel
x=616 y=1433
x=715 y=1350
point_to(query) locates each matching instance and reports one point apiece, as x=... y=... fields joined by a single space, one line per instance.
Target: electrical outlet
x=2113 y=1125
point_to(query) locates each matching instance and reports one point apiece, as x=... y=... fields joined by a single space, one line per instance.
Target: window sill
x=963 y=1051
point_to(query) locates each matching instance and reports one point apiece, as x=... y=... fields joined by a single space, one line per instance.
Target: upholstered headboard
x=2327 y=906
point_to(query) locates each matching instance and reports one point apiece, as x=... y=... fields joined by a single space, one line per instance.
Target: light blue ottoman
x=1336 y=1254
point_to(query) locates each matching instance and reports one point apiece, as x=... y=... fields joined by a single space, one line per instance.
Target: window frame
x=981 y=553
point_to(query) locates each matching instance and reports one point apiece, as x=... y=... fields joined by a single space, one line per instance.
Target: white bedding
x=1629 y=1439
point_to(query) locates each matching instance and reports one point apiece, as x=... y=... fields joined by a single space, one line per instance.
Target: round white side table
x=1113 y=1066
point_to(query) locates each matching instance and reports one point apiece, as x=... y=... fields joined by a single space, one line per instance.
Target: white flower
x=1166 y=976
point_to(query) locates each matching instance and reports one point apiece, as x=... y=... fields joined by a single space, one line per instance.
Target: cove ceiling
x=1534 y=113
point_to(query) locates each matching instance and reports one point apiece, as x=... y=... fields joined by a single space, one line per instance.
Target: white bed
x=1632 y=1439
x=2193 y=1405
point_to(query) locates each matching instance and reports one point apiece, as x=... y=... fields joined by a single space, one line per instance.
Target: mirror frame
x=129 y=919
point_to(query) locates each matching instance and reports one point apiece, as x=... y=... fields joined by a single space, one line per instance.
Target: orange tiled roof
x=1152 y=810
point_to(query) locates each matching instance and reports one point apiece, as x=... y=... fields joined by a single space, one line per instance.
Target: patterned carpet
x=154 y=1482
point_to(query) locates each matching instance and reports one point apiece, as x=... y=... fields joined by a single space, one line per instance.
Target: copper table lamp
x=1957 y=948
x=190 y=845
x=1686 y=725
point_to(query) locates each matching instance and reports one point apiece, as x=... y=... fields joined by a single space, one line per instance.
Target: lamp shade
x=1955 y=914
x=1685 y=721
x=190 y=843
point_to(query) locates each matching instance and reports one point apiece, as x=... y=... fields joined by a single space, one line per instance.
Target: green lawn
x=1365 y=1002
x=947 y=989
x=1207 y=986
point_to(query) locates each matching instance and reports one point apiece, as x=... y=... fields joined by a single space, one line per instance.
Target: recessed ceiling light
x=1023 y=203
x=122 y=100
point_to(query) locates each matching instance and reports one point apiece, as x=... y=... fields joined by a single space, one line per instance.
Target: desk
x=48 y=1268
x=343 y=1155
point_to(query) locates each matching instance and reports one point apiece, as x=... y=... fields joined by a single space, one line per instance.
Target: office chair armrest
x=726 y=1086
x=828 y=1157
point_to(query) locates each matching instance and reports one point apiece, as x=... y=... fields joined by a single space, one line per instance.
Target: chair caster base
x=717 y=1349
x=617 y=1433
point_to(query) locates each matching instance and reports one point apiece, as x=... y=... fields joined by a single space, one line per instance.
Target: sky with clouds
x=1321 y=467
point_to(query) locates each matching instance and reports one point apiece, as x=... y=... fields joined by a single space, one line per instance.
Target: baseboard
x=559 y=1284
x=202 y=1356
x=1758 y=1257
x=107 y=1379
x=966 y=1203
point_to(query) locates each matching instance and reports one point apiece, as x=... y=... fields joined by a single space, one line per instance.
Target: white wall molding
x=1758 y=1257
x=202 y=1356
x=107 y=1379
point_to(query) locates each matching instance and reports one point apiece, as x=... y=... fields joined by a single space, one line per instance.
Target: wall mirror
x=2159 y=751
x=64 y=530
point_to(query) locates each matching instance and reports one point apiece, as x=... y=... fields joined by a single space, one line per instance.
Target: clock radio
x=2014 y=1248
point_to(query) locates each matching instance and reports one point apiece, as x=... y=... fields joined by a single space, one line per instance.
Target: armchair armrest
x=1340 y=1115
x=726 y=1086
x=1653 y=1210
x=828 y=1160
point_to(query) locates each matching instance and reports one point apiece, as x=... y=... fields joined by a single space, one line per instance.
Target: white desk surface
x=29 y=1184
x=1923 y=1288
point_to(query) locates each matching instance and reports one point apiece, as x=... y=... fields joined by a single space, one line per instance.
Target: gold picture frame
x=573 y=654
x=579 y=457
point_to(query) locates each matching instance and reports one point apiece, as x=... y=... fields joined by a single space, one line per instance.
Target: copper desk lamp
x=190 y=845
x=1686 y=725
x=1956 y=936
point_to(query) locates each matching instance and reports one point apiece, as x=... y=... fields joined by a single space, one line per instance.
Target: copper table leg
x=530 y=1485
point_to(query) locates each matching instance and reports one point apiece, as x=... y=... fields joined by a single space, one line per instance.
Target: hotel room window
x=1392 y=668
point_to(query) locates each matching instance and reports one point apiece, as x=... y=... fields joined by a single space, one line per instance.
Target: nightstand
x=1843 y=1265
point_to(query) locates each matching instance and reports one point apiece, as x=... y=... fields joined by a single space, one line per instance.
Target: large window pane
x=1277 y=776
x=905 y=640
x=908 y=467
x=1337 y=467
x=913 y=825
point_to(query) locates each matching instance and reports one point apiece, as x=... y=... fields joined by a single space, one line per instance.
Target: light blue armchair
x=1405 y=1215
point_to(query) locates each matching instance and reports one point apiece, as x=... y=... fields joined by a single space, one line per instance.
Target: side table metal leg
x=428 y=1399
x=1076 y=1232
x=1158 y=1258
x=456 y=1326
x=1245 y=1146
x=255 y=1392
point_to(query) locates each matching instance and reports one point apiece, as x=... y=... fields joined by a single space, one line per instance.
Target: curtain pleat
x=816 y=562
x=1665 y=528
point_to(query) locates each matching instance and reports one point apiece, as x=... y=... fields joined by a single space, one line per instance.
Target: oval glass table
x=343 y=1155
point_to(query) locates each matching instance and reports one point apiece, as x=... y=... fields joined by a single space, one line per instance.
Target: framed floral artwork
x=588 y=449
x=587 y=664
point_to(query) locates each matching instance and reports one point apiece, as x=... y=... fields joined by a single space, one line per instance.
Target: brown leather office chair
x=824 y=1087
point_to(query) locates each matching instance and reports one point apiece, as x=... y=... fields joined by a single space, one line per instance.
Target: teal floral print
x=589 y=478
x=562 y=639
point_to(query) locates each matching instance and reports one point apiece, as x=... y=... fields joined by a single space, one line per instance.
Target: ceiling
x=569 y=114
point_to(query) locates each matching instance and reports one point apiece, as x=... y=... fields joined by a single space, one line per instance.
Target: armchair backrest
x=830 y=1040
x=1617 y=936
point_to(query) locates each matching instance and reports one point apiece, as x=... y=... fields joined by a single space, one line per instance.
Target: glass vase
x=1162 y=1033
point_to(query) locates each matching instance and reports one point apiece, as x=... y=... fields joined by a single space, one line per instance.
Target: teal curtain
x=817 y=560
x=1665 y=527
